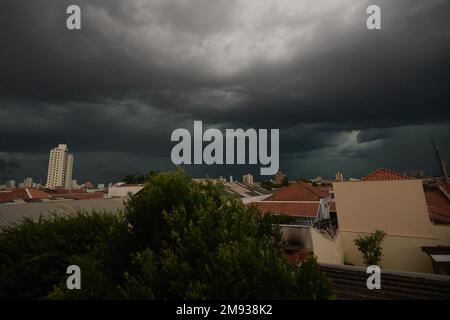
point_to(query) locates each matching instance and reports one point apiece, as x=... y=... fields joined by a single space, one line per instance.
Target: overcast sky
x=344 y=97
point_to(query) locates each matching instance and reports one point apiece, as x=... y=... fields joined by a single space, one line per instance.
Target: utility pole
x=441 y=162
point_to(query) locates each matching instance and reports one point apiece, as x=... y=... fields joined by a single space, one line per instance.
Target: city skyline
x=344 y=98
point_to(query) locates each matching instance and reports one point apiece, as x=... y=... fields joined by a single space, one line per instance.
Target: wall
x=399 y=253
x=327 y=250
x=396 y=207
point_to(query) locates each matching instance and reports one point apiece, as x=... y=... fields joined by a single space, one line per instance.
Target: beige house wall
x=396 y=207
x=326 y=249
x=399 y=253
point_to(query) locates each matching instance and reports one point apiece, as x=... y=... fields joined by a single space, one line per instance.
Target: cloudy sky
x=344 y=97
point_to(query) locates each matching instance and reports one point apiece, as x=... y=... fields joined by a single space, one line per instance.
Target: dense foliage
x=176 y=239
x=35 y=255
x=138 y=178
x=269 y=185
x=370 y=247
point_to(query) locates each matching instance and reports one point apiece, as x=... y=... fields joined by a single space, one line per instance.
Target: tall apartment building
x=10 y=184
x=28 y=183
x=60 y=168
x=248 y=179
x=339 y=177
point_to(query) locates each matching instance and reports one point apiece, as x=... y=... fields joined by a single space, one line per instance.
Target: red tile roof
x=304 y=209
x=440 y=214
x=26 y=194
x=438 y=204
x=385 y=174
x=435 y=197
x=299 y=191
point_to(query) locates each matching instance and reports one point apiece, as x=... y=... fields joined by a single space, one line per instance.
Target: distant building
x=245 y=192
x=318 y=179
x=28 y=183
x=75 y=185
x=222 y=179
x=10 y=184
x=279 y=177
x=248 y=179
x=60 y=168
x=339 y=176
x=88 y=185
x=123 y=190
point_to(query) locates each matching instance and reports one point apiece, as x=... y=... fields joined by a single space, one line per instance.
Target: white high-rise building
x=60 y=168
x=28 y=183
x=248 y=179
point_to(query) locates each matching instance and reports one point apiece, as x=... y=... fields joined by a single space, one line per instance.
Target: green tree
x=370 y=247
x=313 y=283
x=138 y=178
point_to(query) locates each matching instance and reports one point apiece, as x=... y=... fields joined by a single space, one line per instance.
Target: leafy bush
x=312 y=282
x=35 y=255
x=370 y=247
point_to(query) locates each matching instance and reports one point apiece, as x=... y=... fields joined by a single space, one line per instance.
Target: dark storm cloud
x=6 y=166
x=139 y=69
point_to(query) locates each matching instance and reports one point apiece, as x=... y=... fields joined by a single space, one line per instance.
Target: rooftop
x=243 y=190
x=15 y=213
x=299 y=191
x=385 y=174
x=304 y=209
x=25 y=194
x=438 y=202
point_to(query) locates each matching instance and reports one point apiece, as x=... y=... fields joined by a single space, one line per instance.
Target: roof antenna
x=441 y=162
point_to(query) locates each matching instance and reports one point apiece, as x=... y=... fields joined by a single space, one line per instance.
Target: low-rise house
x=303 y=208
x=392 y=202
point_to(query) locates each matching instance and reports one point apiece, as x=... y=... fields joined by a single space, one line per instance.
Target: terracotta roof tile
x=288 y=208
x=299 y=191
x=384 y=174
x=438 y=204
x=26 y=194
x=440 y=214
x=436 y=198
